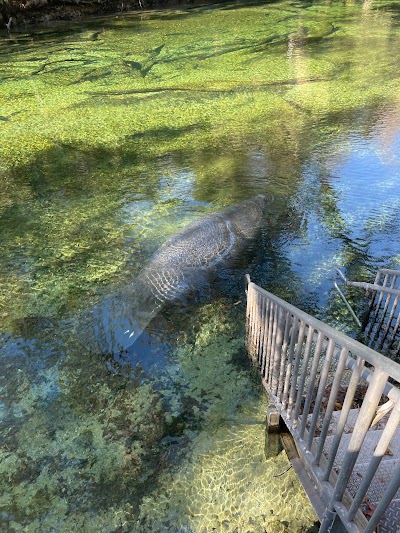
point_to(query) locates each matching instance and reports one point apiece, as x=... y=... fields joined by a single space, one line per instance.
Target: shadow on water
x=91 y=28
x=73 y=198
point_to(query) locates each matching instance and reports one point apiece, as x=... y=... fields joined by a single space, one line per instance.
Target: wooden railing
x=381 y=324
x=336 y=396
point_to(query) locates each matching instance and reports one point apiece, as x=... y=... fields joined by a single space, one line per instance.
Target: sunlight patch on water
x=221 y=479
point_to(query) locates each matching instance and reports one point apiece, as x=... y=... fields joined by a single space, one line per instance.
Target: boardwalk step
x=391 y=521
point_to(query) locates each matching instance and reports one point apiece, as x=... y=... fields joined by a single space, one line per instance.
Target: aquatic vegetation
x=69 y=449
x=102 y=454
x=208 y=489
x=221 y=479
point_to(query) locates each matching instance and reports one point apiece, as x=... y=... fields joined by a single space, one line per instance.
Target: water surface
x=115 y=133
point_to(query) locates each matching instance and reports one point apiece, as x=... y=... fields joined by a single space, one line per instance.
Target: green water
x=117 y=132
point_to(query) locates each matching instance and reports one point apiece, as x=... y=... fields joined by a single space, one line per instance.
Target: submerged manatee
x=179 y=268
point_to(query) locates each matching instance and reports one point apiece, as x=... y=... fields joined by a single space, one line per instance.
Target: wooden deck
x=390 y=523
x=328 y=388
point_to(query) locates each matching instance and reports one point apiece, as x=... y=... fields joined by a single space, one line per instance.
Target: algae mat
x=115 y=133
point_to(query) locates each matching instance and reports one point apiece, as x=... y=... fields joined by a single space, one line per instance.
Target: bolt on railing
x=311 y=370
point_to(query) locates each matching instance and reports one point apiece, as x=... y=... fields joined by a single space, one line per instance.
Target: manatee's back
x=179 y=266
x=213 y=238
x=181 y=263
x=197 y=245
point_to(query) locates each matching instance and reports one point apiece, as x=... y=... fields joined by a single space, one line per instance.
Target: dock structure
x=340 y=402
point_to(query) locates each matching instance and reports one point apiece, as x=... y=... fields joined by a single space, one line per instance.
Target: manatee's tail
x=116 y=323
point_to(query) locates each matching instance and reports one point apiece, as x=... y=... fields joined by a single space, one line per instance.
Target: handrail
x=298 y=357
x=389 y=271
x=354 y=346
x=381 y=324
x=372 y=286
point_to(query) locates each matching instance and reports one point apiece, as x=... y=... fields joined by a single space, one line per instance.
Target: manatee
x=179 y=269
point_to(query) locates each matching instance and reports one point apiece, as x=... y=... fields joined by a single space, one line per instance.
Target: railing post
x=331 y=404
x=277 y=354
x=303 y=375
x=351 y=390
x=364 y=420
x=311 y=384
x=297 y=359
x=385 y=501
x=321 y=390
x=329 y=521
x=380 y=450
x=288 y=324
x=289 y=368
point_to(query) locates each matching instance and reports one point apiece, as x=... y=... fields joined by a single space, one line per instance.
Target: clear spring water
x=115 y=133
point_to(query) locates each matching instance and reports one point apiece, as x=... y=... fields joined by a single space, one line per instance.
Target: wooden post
x=273 y=445
x=273 y=419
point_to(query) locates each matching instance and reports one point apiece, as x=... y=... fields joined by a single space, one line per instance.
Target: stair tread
x=389 y=462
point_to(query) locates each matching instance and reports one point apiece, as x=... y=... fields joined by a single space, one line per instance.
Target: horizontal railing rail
x=381 y=324
x=329 y=389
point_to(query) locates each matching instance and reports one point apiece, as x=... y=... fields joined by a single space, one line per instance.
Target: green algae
x=67 y=97
x=87 y=443
x=223 y=481
x=91 y=458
